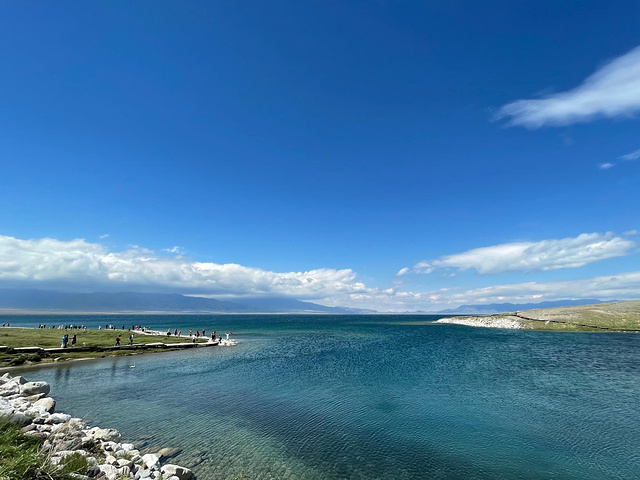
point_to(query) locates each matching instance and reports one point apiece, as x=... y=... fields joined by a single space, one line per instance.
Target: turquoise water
x=364 y=397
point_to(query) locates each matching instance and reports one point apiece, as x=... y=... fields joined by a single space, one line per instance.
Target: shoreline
x=100 y=452
x=31 y=346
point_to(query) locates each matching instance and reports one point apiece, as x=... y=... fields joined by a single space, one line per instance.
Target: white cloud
x=631 y=156
x=78 y=264
x=104 y=235
x=606 y=166
x=175 y=249
x=624 y=286
x=48 y=262
x=532 y=256
x=612 y=91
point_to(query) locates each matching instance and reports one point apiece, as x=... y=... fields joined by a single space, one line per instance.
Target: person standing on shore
x=118 y=341
x=74 y=339
x=131 y=339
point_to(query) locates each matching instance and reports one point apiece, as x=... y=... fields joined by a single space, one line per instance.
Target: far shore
x=622 y=317
x=22 y=346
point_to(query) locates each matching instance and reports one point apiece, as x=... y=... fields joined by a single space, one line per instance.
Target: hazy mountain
x=512 y=307
x=31 y=299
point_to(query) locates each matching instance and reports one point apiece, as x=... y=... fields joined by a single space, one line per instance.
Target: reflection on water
x=373 y=397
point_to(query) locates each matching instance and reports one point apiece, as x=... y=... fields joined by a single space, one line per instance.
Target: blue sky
x=487 y=152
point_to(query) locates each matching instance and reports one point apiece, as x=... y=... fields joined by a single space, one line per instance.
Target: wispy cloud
x=104 y=235
x=631 y=156
x=625 y=158
x=175 y=249
x=532 y=256
x=612 y=91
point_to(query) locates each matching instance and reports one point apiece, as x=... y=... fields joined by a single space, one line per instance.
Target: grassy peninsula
x=90 y=344
x=604 y=317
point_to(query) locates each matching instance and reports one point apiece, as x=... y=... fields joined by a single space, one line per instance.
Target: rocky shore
x=494 y=321
x=107 y=458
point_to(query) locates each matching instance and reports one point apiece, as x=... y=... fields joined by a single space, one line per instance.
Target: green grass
x=51 y=338
x=21 y=458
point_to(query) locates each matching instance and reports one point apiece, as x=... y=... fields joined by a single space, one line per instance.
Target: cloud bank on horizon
x=544 y=255
x=78 y=264
x=612 y=91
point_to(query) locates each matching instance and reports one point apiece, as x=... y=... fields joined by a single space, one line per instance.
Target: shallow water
x=332 y=397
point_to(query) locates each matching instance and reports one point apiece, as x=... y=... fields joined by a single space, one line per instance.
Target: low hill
x=511 y=307
x=45 y=300
x=617 y=317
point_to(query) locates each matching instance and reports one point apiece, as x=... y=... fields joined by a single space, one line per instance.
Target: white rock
x=111 y=460
x=150 y=460
x=49 y=404
x=181 y=472
x=9 y=388
x=128 y=446
x=107 y=435
x=110 y=472
x=123 y=462
x=59 y=418
x=109 y=446
x=33 y=388
x=20 y=380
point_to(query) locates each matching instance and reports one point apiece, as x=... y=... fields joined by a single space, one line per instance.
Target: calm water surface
x=369 y=397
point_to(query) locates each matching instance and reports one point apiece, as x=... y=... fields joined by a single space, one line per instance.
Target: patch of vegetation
x=21 y=457
x=75 y=463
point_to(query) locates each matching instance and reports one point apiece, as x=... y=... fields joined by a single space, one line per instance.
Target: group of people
x=6 y=324
x=65 y=340
x=197 y=335
x=119 y=339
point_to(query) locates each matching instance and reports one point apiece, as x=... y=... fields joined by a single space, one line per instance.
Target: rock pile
x=26 y=403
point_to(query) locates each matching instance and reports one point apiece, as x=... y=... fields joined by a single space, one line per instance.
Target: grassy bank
x=94 y=340
x=21 y=457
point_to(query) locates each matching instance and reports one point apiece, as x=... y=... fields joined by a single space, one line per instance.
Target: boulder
x=110 y=472
x=58 y=418
x=111 y=460
x=123 y=462
x=144 y=473
x=49 y=404
x=181 y=472
x=9 y=388
x=20 y=418
x=20 y=380
x=35 y=398
x=93 y=471
x=34 y=388
x=107 y=435
x=168 y=452
x=150 y=460
x=124 y=471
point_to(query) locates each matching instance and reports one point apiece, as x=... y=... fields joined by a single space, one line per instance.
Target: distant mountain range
x=31 y=299
x=512 y=307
